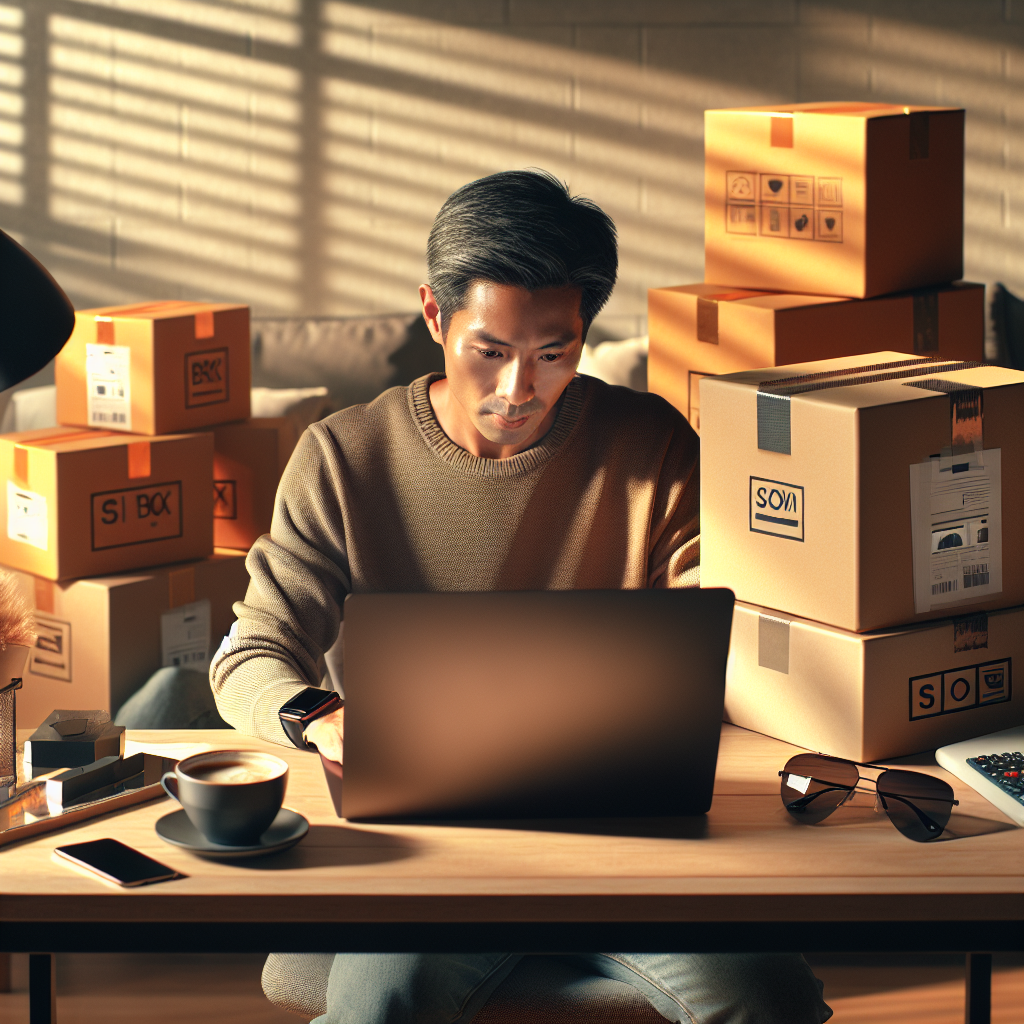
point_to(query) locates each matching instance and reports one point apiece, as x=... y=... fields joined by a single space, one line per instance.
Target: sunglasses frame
x=925 y=820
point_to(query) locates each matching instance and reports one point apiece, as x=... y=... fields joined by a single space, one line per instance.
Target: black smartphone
x=116 y=862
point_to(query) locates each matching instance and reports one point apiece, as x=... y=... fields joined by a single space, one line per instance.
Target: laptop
x=552 y=704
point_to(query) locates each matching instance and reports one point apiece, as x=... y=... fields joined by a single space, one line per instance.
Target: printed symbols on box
x=51 y=655
x=740 y=186
x=225 y=499
x=830 y=192
x=206 y=377
x=994 y=682
x=801 y=191
x=784 y=206
x=775 y=188
x=828 y=226
x=775 y=221
x=959 y=689
x=776 y=508
x=136 y=515
x=801 y=223
x=741 y=220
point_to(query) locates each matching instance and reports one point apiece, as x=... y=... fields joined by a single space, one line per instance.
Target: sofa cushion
x=355 y=358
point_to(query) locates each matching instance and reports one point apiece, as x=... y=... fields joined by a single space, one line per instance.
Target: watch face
x=308 y=703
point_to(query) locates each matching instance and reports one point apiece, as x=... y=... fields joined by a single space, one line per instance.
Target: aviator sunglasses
x=814 y=785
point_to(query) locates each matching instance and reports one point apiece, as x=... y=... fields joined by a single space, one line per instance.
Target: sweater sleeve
x=674 y=549
x=299 y=577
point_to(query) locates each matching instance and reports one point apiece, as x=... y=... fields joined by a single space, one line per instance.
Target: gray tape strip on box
x=773 y=434
x=773 y=643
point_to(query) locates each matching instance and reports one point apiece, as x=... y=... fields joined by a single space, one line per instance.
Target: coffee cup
x=231 y=796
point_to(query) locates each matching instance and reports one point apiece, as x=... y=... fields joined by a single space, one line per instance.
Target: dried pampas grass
x=16 y=623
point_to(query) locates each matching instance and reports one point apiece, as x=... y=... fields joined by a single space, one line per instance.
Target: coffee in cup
x=230 y=796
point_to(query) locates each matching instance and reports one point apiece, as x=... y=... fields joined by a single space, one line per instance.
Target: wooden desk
x=744 y=878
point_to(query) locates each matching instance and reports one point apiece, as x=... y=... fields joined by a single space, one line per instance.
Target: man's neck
x=458 y=426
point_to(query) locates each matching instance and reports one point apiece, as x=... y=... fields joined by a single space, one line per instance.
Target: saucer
x=285 y=831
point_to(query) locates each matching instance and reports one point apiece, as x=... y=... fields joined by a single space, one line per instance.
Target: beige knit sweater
x=378 y=498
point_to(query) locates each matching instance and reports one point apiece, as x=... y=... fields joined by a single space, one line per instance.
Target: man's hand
x=327 y=734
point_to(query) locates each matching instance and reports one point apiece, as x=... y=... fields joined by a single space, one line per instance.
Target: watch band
x=294 y=721
x=294 y=730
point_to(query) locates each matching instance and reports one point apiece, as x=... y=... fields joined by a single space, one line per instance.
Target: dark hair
x=521 y=228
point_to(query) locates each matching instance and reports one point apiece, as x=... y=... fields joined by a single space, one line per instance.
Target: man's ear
x=431 y=313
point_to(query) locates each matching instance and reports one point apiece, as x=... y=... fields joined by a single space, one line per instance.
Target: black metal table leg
x=979 y=989
x=42 y=989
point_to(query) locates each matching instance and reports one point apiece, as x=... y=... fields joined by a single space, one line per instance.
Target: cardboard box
x=100 y=639
x=70 y=739
x=865 y=492
x=701 y=329
x=156 y=368
x=871 y=696
x=87 y=502
x=248 y=460
x=855 y=199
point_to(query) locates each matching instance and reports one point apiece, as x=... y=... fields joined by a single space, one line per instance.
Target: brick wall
x=292 y=153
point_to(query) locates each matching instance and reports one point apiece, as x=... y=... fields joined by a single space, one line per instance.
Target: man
x=507 y=472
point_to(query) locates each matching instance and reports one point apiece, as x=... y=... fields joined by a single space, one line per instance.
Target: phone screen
x=117 y=862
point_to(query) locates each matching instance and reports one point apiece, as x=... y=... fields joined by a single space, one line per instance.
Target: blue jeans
x=693 y=988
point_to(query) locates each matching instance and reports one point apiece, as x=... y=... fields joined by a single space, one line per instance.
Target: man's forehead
x=506 y=314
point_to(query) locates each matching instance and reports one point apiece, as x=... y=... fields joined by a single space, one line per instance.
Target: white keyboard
x=993 y=766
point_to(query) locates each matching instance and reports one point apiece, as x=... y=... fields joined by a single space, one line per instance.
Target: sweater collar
x=448 y=451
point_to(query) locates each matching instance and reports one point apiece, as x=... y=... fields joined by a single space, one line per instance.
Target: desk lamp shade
x=36 y=317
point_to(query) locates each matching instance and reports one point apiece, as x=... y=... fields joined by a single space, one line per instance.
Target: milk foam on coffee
x=233 y=769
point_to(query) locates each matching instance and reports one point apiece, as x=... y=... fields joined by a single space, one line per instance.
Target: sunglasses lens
x=813 y=786
x=918 y=805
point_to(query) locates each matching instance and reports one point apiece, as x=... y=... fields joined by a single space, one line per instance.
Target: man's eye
x=550 y=357
x=489 y=353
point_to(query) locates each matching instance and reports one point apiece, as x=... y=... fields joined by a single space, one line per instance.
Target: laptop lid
x=521 y=704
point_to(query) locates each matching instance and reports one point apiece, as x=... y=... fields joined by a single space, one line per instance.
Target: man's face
x=509 y=354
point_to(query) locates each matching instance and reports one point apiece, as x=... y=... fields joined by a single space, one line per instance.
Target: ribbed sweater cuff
x=273 y=683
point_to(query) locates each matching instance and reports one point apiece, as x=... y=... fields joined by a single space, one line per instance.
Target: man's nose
x=515 y=382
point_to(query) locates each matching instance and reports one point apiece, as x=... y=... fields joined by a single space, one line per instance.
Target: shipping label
x=108 y=386
x=136 y=515
x=796 y=206
x=225 y=499
x=956 y=515
x=206 y=377
x=51 y=655
x=185 y=636
x=28 y=520
x=776 y=508
x=959 y=689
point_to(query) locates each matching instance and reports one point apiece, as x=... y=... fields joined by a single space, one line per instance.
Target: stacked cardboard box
x=830 y=230
x=112 y=519
x=862 y=473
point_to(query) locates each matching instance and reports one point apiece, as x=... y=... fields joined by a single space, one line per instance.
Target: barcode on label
x=108 y=417
x=188 y=658
x=945 y=587
x=975 y=579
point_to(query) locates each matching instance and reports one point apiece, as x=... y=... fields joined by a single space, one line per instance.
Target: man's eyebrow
x=491 y=340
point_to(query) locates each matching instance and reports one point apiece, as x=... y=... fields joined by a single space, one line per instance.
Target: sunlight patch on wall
x=268 y=21
x=12 y=107
x=186 y=157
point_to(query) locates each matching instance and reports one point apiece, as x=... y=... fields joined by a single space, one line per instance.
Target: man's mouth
x=507 y=424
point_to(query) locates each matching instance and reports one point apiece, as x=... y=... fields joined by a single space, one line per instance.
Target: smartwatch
x=305 y=707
